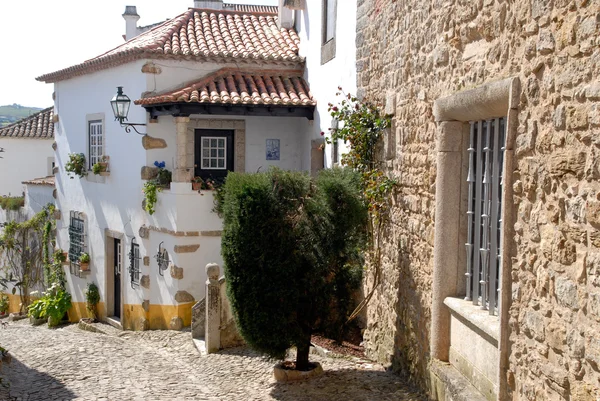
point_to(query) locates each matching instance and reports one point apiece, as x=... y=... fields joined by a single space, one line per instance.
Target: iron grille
x=76 y=242
x=162 y=258
x=134 y=264
x=485 y=181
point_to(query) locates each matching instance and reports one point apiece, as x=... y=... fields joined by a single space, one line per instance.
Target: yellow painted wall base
x=158 y=317
x=79 y=310
x=14 y=303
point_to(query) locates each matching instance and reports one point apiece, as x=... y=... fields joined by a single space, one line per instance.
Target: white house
x=27 y=152
x=219 y=89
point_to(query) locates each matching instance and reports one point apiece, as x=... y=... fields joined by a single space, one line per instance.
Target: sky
x=39 y=37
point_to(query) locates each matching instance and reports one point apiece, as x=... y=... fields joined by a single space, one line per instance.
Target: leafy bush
x=3 y=303
x=287 y=241
x=76 y=165
x=12 y=202
x=53 y=304
x=92 y=297
x=84 y=258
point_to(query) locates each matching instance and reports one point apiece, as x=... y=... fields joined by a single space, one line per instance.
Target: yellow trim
x=158 y=316
x=14 y=303
x=78 y=310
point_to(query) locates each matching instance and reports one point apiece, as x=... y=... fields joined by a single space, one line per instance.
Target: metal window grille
x=76 y=241
x=484 y=236
x=214 y=153
x=162 y=258
x=134 y=263
x=96 y=142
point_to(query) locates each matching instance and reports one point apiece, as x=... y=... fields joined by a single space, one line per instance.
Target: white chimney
x=285 y=16
x=209 y=4
x=131 y=18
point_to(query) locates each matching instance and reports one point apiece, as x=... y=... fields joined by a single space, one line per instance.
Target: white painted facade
x=324 y=79
x=37 y=197
x=23 y=159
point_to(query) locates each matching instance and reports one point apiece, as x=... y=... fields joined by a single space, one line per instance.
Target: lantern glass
x=120 y=105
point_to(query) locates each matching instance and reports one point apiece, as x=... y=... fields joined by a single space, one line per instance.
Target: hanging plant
x=76 y=165
x=153 y=187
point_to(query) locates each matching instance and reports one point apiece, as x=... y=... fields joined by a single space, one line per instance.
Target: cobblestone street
x=68 y=363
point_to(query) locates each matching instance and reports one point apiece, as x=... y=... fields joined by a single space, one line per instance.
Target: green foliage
x=284 y=245
x=3 y=303
x=21 y=246
x=53 y=305
x=92 y=297
x=76 y=165
x=151 y=190
x=84 y=258
x=362 y=128
x=12 y=202
x=98 y=168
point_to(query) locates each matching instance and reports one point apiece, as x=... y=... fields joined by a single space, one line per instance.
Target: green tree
x=286 y=241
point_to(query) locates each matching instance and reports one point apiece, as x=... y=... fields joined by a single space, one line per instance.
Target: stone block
x=142 y=324
x=546 y=43
x=186 y=248
x=54 y=145
x=592 y=213
x=560 y=117
x=146 y=260
x=183 y=297
x=577 y=117
x=146 y=305
x=176 y=323
x=566 y=293
x=199 y=319
x=211 y=233
x=576 y=343
x=149 y=173
x=144 y=232
x=176 y=272
x=55 y=118
x=594 y=115
x=145 y=281
x=151 y=68
x=566 y=162
x=149 y=142
x=533 y=325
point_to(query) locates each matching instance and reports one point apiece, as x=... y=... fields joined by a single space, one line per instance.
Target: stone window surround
x=186 y=128
x=452 y=114
x=328 y=47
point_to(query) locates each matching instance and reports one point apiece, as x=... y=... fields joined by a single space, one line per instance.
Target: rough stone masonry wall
x=418 y=51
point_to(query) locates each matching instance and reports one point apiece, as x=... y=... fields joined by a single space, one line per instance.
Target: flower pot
x=283 y=373
x=84 y=266
x=196 y=186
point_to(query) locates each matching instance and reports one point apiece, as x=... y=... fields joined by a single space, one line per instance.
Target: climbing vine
x=361 y=127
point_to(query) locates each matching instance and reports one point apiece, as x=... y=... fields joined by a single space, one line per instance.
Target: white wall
x=37 y=197
x=324 y=80
x=23 y=159
x=112 y=202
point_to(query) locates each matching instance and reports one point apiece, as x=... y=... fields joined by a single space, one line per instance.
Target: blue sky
x=50 y=35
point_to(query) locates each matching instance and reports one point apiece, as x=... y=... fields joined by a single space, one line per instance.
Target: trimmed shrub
x=287 y=240
x=12 y=203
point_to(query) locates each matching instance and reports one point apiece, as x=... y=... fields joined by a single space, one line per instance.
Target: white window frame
x=210 y=157
x=93 y=138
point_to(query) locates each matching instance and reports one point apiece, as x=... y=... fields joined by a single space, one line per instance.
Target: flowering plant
x=160 y=164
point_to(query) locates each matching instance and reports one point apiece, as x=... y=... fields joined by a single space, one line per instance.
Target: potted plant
x=197 y=183
x=92 y=297
x=3 y=304
x=163 y=177
x=76 y=165
x=84 y=262
x=37 y=312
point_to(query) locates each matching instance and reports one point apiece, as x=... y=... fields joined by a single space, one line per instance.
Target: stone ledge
x=186 y=248
x=479 y=319
x=448 y=384
x=211 y=233
x=175 y=233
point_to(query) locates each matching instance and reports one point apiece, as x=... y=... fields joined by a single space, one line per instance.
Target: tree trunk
x=303 y=350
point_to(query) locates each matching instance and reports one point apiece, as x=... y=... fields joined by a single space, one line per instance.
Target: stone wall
x=412 y=52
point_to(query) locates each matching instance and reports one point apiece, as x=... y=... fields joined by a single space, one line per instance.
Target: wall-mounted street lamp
x=120 y=106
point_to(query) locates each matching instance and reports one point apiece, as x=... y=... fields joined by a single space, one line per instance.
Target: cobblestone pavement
x=68 y=363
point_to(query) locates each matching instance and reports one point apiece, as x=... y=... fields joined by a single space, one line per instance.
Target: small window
x=214 y=153
x=486 y=158
x=96 y=142
x=329 y=21
x=76 y=241
x=134 y=264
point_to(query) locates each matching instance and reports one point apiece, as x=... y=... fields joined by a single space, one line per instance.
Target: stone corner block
x=145 y=281
x=146 y=305
x=176 y=323
x=183 y=297
x=149 y=173
x=151 y=68
x=149 y=142
x=186 y=248
x=146 y=260
x=176 y=272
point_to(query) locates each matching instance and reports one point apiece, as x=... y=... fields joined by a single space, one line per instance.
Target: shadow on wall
x=348 y=384
x=21 y=382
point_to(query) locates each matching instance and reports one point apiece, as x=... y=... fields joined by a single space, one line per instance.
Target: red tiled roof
x=38 y=126
x=227 y=86
x=201 y=35
x=41 y=181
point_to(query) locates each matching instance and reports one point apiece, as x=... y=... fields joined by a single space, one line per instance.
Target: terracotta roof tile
x=41 y=181
x=201 y=35
x=227 y=86
x=38 y=126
